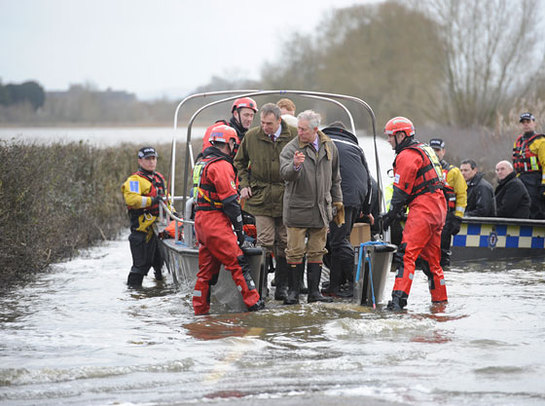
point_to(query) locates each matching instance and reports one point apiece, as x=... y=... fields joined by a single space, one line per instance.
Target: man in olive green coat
x=312 y=198
x=262 y=189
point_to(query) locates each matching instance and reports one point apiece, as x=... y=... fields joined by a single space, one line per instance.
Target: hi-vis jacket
x=455 y=189
x=138 y=191
x=529 y=154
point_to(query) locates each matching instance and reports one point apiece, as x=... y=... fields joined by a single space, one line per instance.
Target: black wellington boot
x=334 y=279
x=396 y=304
x=281 y=277
x=294 y=279
x=314 y=272
x=135 y=280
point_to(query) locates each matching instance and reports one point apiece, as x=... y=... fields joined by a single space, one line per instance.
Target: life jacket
x=204 y=193
x=158 y=187
x=429 y=177
x=447 y=189
x=525 y=160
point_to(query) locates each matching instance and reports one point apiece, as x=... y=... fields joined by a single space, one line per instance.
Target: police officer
x=418 y=185
x=529 y=163
x=455 y=189
x=218 y=222
x=143 y=191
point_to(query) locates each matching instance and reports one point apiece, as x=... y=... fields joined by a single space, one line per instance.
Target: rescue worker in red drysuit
x=418 y=185
x=217 y=214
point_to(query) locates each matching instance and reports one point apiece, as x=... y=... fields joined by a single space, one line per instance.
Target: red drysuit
x=417 y=183
x=216 y=189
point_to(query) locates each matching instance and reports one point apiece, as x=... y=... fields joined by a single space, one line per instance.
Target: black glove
x=156 y=199
x=387 y=219
x=455 y=224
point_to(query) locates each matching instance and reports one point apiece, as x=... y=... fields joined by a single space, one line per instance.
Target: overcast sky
x=149 y=47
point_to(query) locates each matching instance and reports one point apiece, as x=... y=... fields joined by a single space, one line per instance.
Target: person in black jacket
x=512 y=198
x=357 y=195
x=480 y=193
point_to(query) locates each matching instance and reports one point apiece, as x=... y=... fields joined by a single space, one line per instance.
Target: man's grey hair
x=269 y=108
x=312 y=117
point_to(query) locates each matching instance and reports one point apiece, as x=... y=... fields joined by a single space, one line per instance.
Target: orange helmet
x=222 y=133
x=399 y=124
x=206 y=139
x=244 y=102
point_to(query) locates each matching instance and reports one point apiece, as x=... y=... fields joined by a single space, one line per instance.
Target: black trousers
x=145 y=254
x=532 y=181
x=340 y=256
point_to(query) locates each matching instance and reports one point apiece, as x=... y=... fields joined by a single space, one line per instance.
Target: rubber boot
x=314 y=272
x=396 y=304
x=135 y=280
x=334 y=280
x=260 y=305
x=281 y=277
x=158 y=274
x=346 y=288
x=295 y=272
x=304 y=289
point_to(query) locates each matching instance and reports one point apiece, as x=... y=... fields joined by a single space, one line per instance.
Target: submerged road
x=77 y=335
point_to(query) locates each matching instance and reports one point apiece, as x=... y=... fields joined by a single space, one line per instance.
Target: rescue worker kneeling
x=217 y=213
x=418 y=184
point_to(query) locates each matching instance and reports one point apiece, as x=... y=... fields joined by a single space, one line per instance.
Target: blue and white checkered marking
x=500 y=236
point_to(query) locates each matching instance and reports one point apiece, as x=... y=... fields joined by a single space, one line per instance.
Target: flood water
x=78 y=336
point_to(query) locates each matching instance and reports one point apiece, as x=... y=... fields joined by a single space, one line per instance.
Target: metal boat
x=181 y=252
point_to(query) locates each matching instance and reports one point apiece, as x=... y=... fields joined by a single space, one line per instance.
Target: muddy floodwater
x=78 y=336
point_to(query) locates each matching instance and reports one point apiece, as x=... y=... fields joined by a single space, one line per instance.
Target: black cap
x=527 y=116
x=144 y=152
x=437 y=143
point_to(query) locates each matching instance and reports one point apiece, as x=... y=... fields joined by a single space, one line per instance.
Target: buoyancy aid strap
x=203 y=188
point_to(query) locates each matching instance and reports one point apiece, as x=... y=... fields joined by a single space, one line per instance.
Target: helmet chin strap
x=237 y=117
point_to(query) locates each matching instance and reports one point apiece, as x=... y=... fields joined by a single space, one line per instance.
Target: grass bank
x=60 y=198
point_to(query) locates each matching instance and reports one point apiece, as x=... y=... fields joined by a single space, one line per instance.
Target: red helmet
x=222 y=133
x=244 y=102
x=399 y=124
x=206 y=139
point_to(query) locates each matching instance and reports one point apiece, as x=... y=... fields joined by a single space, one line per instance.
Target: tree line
x=458 y=68
x=30 y=92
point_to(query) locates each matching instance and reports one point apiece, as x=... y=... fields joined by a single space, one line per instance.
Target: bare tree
x=492 y=54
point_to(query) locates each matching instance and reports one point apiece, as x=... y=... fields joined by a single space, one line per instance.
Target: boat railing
x=337 y=99
x=183 y=228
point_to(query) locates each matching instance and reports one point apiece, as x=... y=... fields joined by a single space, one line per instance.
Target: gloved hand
x=156 y=199
x=455 y=224
x=338 y=213
x=386 y=219
x=542 y=191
